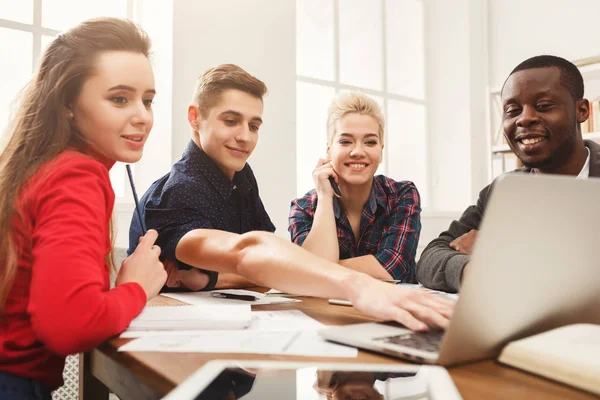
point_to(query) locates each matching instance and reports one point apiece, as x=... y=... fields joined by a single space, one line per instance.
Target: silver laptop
x=535 y=266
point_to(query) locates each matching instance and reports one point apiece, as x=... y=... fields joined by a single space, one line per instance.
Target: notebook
x=570 y=354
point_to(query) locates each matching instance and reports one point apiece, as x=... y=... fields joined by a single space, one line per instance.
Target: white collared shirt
x=585 y=171
x=583 y=174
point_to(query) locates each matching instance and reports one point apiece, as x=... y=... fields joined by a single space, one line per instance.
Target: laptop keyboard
x=428 y=341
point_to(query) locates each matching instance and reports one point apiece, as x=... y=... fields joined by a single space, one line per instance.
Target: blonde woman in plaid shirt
x=374 y=226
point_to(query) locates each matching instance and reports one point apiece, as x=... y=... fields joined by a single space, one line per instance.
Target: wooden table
x=147 y=375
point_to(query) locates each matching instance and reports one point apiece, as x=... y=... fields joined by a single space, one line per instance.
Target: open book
x=570 y=354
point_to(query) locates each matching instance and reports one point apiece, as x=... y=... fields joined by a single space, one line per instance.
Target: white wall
x=457 y=78
x=456 y=62
x=519 y=29
x=259 y=36
x=156 y=16
x=432 y=224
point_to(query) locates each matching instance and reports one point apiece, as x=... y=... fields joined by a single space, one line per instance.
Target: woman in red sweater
x=88 y=105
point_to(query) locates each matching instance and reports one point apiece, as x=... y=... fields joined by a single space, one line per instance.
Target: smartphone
x=335 y=187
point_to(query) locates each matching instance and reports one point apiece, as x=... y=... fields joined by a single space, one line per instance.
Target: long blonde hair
x=40 y=129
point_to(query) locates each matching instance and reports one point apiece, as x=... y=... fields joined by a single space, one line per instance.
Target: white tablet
x=248 y=380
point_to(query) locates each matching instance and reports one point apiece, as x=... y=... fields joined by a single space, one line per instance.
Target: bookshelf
x=502 y=157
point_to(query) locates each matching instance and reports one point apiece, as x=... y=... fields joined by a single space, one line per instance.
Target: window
x=28 y=26
x=376 y=47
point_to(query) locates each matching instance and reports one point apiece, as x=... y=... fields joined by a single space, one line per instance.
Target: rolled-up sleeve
x=172 y=224
x=300 y=220
x=398 y=246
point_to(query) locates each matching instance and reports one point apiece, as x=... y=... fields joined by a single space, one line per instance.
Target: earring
x=70 y=115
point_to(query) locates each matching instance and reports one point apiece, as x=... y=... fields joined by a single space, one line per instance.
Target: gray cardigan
x=440 y=267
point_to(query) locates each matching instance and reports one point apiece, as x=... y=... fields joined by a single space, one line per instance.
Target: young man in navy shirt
x=212 y=186
x=213 y=228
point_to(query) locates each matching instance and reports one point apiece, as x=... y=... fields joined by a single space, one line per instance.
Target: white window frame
x=384 y=94
x=38 y=30
x=123 y=204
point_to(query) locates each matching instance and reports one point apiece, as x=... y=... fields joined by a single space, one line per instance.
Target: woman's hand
x=321 y=175
x=144 y=267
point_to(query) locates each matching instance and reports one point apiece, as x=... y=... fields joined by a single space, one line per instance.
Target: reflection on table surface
x=311 y=383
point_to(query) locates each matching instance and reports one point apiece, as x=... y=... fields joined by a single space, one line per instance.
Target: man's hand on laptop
x=464 y=243
x=414 y=308
x=193 y=279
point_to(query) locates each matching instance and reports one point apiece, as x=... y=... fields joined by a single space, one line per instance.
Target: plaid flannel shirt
x=390 y=226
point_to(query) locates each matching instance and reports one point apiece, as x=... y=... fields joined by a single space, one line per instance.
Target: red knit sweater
x=60 y=302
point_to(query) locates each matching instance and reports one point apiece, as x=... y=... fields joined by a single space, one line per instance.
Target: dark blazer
x=440 y=267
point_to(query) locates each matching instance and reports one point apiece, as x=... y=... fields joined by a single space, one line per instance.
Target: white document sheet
x=264 y=321
x=214 y=317
x=205 y=298
x=299 y=343
x=279 y=321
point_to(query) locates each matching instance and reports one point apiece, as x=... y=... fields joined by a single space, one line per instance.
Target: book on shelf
x=569 y=354
x=592 y=124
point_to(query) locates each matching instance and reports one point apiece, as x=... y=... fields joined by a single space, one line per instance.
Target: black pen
x=245 y=297
x=336 y=188
x=135 y=198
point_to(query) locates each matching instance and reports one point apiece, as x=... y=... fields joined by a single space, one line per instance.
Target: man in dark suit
x=542 y=109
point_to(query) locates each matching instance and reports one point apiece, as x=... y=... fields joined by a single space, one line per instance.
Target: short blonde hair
x=353 y=103
x=213 y=82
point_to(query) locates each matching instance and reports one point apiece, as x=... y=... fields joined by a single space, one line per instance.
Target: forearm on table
x=367 y=264
x=268 y=260
x=229 y=280
x=440 y=266
x=322 y=239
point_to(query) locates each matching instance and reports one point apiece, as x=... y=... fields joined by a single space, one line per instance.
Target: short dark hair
x=570 y=77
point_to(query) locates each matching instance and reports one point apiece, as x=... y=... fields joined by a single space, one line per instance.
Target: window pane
x=55 y=17
x=15 y=71
x=406 y=145
x=315 y=51
x=19 y=11
x=361 y=43
x=118 y=180
x=46 y=40
x=312 y=102
x=156 y=17
x=405 y=48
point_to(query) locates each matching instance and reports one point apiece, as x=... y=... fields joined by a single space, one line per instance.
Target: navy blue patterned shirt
x=196 y=194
